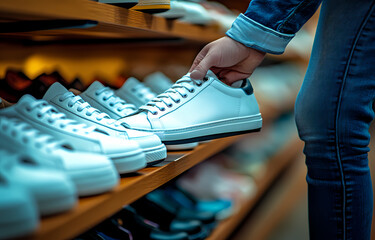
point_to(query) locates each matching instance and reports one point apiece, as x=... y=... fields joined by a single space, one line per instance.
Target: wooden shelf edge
x=92 y=210
x=114 y=22
x=274 y=167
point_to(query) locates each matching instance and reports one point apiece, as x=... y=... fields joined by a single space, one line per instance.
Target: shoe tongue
x=54 y=90
x=94 y=87
x=131 y=82
x=211 y=74
x=26 y=99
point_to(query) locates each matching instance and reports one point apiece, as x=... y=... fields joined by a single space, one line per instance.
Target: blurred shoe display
x=51 y=188
x=195 y=13
x=91 y=173
x=186 y=113
x=158 y=82
x=164 y=217
x=141 y=228
x=137 y=144
x=221 y=208
x=176 y=11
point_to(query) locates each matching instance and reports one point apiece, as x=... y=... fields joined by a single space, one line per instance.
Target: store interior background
x=281 y=212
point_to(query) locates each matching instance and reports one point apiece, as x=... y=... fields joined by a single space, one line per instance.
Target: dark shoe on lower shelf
x=141 y=228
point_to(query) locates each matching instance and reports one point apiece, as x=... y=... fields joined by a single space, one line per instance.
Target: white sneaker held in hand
x=198 y=110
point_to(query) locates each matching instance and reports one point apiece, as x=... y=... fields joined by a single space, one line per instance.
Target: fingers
x=233 y=76
x=199 y=58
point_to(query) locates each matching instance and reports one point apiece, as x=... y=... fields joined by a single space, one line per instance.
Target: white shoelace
x=44 y=109
x=86 y=108
x=29 y=135
x=114 y=101
x=173 y=95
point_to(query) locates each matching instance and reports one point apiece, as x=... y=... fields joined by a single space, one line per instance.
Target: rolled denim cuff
x=255 y=35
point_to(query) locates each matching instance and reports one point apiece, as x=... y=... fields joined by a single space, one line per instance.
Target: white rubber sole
x=57 y=203
x=129 y=162
x=179 y=147
x=95 y=181
x=210 y=130
x=155 y=154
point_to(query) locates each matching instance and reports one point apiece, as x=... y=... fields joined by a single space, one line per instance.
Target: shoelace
x=44 y=109
x=85 y=106
x=173 y=95
x=115 y=101
x=144 y=91
x=29 y=135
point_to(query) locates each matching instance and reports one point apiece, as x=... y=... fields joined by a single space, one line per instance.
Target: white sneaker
x=196 y=110
x=142 y=94
x=91 y=173
x=135 y=92
x=52 y=189
x=18 y=210
x=76 y=108
x=104 y=99
x=126 y=156
x=158 y=82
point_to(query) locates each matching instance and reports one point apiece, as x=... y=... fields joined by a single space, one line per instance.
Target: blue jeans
x=333 y=115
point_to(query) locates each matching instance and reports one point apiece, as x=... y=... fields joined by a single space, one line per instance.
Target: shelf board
x=92 y=210
x=112 y=21
x=274 y=167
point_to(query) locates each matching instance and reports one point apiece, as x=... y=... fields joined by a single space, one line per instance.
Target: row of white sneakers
x=56 y=149
x=65 y=147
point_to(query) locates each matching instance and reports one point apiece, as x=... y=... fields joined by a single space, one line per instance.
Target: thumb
x=200 y=71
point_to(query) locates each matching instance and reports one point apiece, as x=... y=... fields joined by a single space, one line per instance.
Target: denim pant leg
x=333 y=114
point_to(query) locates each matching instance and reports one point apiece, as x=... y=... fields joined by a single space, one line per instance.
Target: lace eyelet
x=163 y=109
x=111 y=105
x=199 y=84
x=192 y=90
x=178 y=101
x=62 y=125
x=155 y=113
x=28 y=109
x=96 y=94
x=60 y=100
x=50 y=121
x=170 y=105
x=184 y=96
x=118 y=110
x=39 y=115
x=75 y=130
x=69 y=105
x=205 y=79
x=13 y=133
x=79 y=110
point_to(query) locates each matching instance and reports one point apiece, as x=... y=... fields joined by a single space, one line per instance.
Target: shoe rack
x=54 y=24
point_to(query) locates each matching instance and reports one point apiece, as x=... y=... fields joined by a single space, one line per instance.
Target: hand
x=228 y=59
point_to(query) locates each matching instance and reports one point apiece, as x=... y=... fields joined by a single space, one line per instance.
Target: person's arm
x=269 y=25
x=266 y=27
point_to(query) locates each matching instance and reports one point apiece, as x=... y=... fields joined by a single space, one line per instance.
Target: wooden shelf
x=109 y=21
x=92 y=210
x=273 y=168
